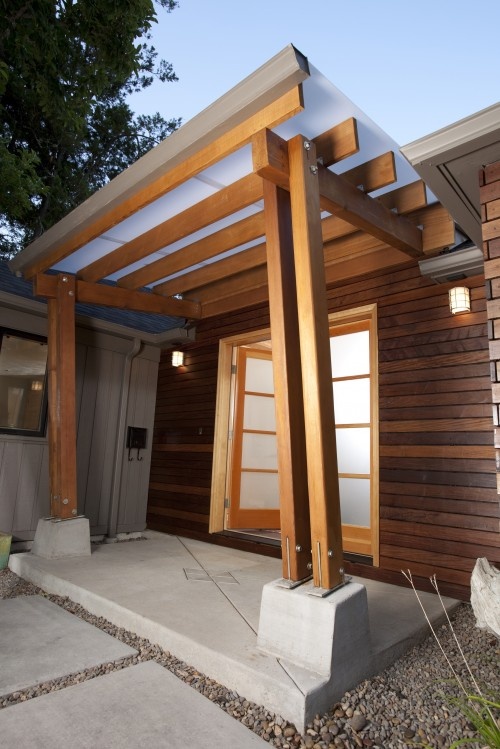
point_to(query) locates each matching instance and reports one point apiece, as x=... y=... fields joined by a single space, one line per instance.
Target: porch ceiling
x=181 y=232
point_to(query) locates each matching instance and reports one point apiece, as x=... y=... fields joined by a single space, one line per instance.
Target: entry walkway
x=201 y=602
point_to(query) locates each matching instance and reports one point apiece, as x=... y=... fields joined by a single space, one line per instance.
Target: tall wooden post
x=62 y=409
x=292 y=464
x=324 y=500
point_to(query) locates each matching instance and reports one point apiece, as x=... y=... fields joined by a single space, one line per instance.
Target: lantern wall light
x=177 y=358
x=459 y=300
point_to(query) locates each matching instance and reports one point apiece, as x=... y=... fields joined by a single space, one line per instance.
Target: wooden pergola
x=211 y=237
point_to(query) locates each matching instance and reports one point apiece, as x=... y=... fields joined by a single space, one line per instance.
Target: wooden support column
x=62 y=410
x=322 y=472
x=292 y=463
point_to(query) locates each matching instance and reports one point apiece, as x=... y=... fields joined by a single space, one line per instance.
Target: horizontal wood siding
x=439 y=508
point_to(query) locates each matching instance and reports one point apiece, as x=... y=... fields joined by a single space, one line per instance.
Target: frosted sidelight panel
x=351 y=400
x=259 y=376
x=350 y=354
x=259 y=413
x=259 y=451
x=259 y=491
x=355 y=501
x=353 y=450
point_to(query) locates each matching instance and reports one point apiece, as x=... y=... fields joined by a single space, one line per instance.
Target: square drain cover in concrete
x=210 y=577
x=40 y=641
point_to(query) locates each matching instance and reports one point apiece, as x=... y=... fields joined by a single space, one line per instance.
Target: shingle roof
x=146 y=323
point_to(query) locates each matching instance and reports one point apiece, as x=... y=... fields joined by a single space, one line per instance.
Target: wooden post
x=61 y=392
x=324 y=500
x=292 y=464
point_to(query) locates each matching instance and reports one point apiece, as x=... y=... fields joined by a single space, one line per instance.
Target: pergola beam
x=221 y=204
x=112 y=296
x=339 y=196
x=214 y=272
x=239 y=233
x=402 y=200
x=120 y=207
x=343 y=199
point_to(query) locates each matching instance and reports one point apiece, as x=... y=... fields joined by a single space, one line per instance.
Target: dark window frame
x=42 y=422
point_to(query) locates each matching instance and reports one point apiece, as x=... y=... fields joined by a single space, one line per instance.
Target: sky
x=413 y=66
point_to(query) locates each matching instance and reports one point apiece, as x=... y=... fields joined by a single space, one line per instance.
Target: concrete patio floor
x=201 y=602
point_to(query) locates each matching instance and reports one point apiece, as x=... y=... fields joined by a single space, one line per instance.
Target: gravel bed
x=400 y=708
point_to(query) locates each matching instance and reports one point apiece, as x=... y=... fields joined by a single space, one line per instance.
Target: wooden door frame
x=368 y=314
x=223 y=412
x=222 y=426
x=236 y=516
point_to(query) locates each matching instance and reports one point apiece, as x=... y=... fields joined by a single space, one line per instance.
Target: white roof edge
x=273 y=79
x=475 y=127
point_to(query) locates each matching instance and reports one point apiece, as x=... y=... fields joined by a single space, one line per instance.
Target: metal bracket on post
x=288 y=582
x=323 y=592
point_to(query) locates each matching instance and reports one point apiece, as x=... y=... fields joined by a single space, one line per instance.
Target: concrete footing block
x=327 y=639
x=55 y=538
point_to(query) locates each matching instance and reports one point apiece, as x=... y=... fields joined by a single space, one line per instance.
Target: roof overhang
x=449 y=161
x=182 y=231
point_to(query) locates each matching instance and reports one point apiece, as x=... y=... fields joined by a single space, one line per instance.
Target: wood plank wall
x=439 y=508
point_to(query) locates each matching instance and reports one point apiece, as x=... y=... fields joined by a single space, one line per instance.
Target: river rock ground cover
x=403 y=707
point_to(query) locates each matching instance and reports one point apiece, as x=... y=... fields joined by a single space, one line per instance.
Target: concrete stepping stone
x=142 y=705
x=40 y=641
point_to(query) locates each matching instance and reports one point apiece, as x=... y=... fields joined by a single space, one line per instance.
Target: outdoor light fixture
x=177 y=358
x=459 y=300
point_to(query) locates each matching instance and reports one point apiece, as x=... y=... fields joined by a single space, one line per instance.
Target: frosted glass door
x=254 y=491
x=351 y=382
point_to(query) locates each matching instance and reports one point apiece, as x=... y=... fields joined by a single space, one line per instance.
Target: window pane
x=350 y=354
x=355 y=501
x=353 y=450
x=259 y=413
x=259 y=490
x=351 y=399
x=259 y=375
x=259 y=451
x=23 y=363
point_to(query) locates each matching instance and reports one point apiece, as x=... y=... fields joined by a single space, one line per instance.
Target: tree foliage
x=66 y=70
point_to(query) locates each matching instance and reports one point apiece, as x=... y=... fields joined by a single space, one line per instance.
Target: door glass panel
x=350 y=354
x=353 y=450
x=259 y=376
x=355 y=501
x=351 y=399
x=259 y=451
x=259 y=491
x=259 y=413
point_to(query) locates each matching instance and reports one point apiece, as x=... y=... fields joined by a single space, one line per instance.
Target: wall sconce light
x=36 y=385
x=459 y=300
x=177 y=358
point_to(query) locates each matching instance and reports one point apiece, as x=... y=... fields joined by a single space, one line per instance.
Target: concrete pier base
x=56 y=538
x=326 y=638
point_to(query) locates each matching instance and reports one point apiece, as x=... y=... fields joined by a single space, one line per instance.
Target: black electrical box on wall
x=136 y=438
